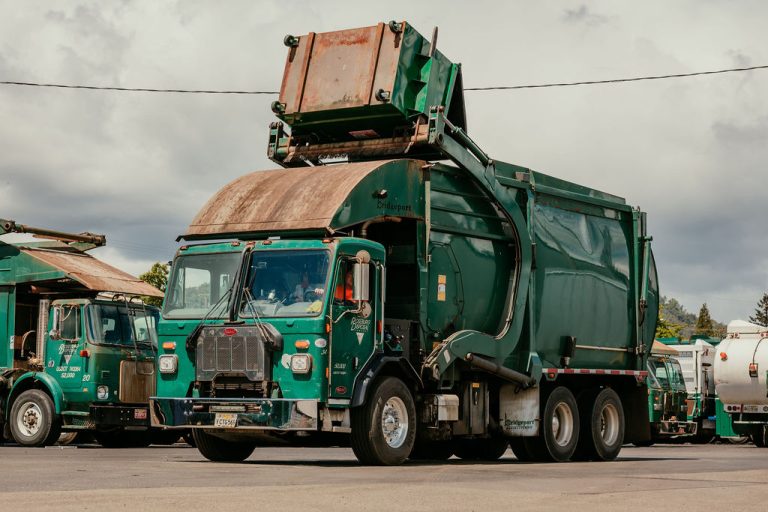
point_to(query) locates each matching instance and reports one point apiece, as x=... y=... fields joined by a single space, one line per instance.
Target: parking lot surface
x=719 y=477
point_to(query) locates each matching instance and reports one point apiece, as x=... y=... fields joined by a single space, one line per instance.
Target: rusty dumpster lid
x=92 y=273
x=305 y=198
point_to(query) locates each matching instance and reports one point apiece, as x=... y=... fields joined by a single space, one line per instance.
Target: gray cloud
x=138 y=166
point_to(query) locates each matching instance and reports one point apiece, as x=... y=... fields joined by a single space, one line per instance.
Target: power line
x=489 y=88
x=615 y=80
x=136 y=89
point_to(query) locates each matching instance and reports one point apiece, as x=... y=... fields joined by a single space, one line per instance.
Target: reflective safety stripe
x=593 y=371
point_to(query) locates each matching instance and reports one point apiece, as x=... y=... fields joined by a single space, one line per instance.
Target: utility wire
x=490 y=88
x=615 y=80
x=136 y=89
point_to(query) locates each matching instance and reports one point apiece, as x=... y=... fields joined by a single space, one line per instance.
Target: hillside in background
x=674 y=314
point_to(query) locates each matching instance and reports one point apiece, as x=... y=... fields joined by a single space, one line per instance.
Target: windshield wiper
x=192 y=337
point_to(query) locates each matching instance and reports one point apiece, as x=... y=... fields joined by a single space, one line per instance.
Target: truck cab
x=81 y=343
x=270 y=309
x=667 y=399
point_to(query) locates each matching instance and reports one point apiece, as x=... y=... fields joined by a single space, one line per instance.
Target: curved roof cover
x=92 y=273
x=305 y=198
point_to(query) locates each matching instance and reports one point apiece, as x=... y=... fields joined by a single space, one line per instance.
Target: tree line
x=676 y=322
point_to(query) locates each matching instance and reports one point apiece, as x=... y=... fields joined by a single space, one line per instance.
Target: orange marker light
x=327 y=327
x=327 y=372
x=85 y=353
x=301 y=344
x=169 y=345
x=723 y=356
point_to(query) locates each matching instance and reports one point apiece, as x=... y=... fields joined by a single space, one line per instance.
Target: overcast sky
x=136 y=166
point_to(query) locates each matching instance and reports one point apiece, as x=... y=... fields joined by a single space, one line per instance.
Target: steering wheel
x=310 y=296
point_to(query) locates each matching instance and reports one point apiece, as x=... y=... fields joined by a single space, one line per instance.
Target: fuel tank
x=741 y=364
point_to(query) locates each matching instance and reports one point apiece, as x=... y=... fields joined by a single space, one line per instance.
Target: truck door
x=64 y=361
x=353 y=328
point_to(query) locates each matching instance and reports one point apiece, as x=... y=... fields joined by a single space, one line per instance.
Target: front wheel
x=384 y=429
x=216 y=449
x=33 y=419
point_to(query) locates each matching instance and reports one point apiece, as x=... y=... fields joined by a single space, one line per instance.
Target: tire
x=217 y=449
x=758 y=437
x=489 y=449
x=66 y=438
x=559 y=428
x=602 y=425
x=431 y=450
x=33 y=419
x=384 y=428
x=189 y=439
x=520 y=450
x=124 y=438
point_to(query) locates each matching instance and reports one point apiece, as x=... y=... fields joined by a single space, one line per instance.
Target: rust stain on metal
x=92 y=273
x=280 y=200
x=337 y=69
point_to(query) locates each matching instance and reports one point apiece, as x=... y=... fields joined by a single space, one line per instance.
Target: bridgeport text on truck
x=418 y=307
x=741 y=379
x=72 y=358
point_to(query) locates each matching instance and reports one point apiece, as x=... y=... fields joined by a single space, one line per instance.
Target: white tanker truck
x=741 y=367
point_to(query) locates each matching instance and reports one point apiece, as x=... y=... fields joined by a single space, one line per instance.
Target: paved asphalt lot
x=672 y=477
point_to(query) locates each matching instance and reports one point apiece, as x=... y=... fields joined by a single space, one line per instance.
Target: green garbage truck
x=394 y=287
x=72 y=358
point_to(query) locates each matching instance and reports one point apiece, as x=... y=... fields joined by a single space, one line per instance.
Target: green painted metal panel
x=6 y=327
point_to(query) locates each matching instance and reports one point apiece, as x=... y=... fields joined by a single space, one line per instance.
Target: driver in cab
x=304 y=288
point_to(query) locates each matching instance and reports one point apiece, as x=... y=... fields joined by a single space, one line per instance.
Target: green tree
x=667 y=329
x=704 y=324
x=761 y=312
x=157 y=276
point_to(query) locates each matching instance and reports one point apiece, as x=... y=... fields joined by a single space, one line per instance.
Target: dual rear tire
x=588 y=428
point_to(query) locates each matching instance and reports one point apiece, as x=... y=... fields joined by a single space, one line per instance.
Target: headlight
x=169 y=363
x=102 y=392
x=301 y=363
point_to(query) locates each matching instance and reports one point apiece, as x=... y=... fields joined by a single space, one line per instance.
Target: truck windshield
x=197 y=282
x=676 y=375
x=657 y=374
x=285 y=283
x=113 y=325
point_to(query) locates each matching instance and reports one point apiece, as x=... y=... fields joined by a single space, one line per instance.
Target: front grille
x=137 y=381
x=242 y=352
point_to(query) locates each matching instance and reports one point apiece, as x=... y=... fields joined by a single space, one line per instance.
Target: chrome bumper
x=251 y=414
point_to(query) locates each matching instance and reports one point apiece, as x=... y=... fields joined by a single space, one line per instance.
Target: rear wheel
x=384 y=429
x=491 y=448
x=217 y=449
x=602 y=425
x=559 y=426
x=33 y=419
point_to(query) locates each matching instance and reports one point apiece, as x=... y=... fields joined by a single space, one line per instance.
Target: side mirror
x=360 y=280
x=55 y=333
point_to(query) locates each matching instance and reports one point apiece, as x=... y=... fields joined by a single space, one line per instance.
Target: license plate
x=225 y=420
x=139 y=414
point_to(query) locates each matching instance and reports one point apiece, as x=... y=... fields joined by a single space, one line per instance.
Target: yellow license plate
x=225 y=420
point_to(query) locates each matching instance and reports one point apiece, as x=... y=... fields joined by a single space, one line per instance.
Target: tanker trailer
x=741 y=364
x=394 y=287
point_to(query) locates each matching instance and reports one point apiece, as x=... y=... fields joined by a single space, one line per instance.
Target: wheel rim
x=609 y=424
x=29 y=419
x=394 y=422
x=562 y=424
